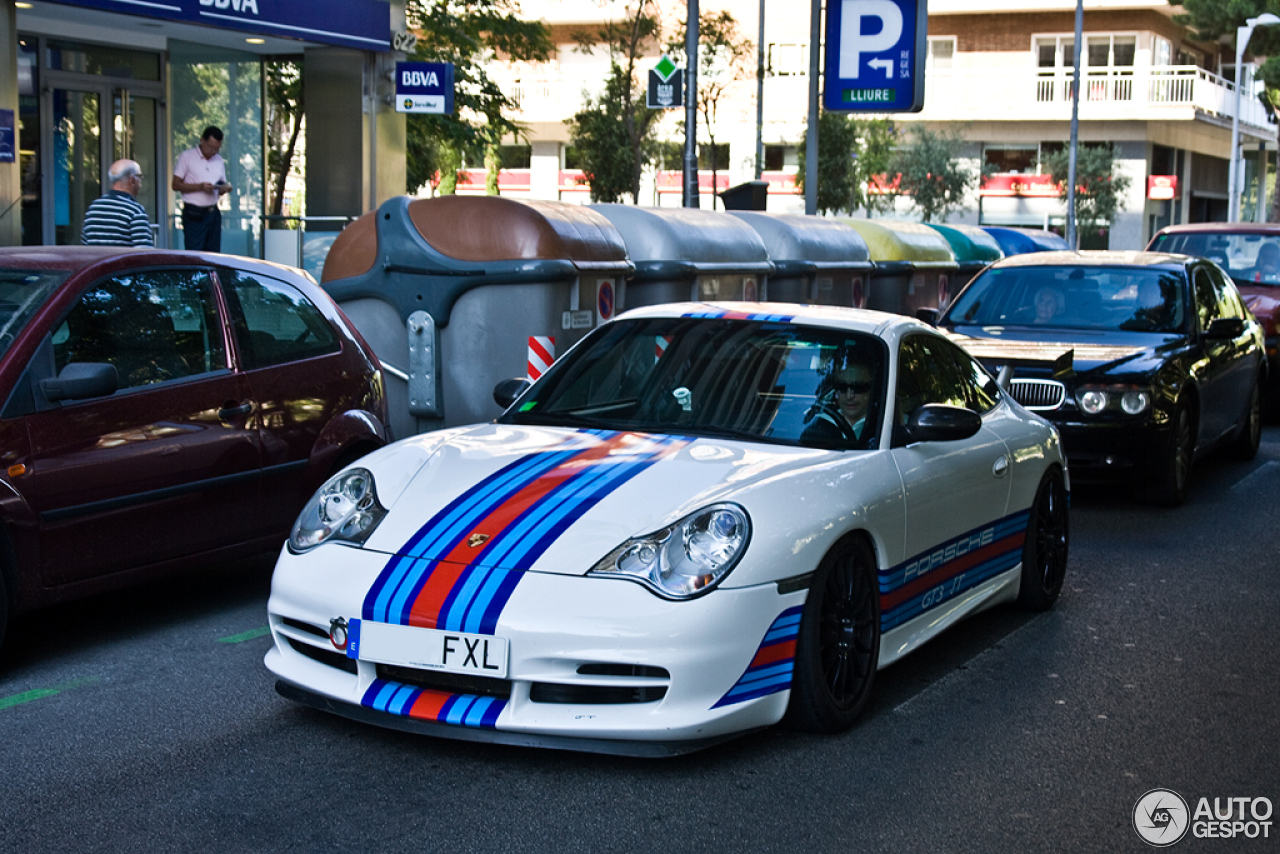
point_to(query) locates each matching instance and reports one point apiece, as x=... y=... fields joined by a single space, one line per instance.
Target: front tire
x=1171 y=476
x=1245 y=446
x=838 y=648
x=1044 y=554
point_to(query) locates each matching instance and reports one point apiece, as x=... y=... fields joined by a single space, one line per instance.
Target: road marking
x=44 y=693
x=246 y=636
x=1265 y=468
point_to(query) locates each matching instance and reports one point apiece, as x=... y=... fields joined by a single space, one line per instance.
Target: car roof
x=1222 y=228
x=870 y=322
x=1094 y=258
x=73 y=259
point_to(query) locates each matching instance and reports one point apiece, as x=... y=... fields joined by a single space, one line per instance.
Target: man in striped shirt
x=116 y=218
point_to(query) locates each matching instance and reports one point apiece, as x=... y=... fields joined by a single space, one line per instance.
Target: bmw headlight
x=345 y=509
x=1095 y=400
x=687 y=559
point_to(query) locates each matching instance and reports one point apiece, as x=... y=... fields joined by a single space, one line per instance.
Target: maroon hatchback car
x=164 y=408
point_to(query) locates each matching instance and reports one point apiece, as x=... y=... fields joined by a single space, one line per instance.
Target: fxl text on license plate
x=431 y=649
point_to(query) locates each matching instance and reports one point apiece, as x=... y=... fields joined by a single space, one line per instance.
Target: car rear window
x=22 y=292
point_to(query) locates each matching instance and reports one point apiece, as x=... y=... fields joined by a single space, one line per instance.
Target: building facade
x=998 y=73
x=87 y=82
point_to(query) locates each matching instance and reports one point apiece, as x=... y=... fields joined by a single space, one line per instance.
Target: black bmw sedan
x=1143 y=361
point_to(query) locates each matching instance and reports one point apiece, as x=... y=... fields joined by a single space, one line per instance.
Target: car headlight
x=346 y=509
x=1094 y=400
x=687 y=559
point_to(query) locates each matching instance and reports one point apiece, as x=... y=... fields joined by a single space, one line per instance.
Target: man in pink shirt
x=201 y=176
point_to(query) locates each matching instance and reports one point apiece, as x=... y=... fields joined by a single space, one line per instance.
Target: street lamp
x=1243 y=34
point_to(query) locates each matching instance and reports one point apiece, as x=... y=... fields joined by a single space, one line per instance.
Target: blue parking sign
x=875 y=55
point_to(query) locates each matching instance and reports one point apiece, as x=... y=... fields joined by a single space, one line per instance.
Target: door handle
x=234 y=413
x=1001 y=467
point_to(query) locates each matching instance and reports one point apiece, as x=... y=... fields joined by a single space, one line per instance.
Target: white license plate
x=429 y=649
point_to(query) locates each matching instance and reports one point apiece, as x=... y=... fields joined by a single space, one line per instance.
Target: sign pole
x=691 y=108
x=811 y=137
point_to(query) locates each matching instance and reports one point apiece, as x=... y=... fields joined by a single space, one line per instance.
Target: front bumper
x=593 y=664
x=1113 y=451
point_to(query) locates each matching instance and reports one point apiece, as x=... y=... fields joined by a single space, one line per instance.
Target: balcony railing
x=1162 y=92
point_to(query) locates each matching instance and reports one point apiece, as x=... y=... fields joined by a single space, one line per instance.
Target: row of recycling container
x=457 y=293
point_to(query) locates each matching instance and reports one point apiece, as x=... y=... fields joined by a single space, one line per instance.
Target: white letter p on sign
x=853 y=43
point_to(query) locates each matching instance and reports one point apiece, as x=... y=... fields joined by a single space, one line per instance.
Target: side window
x=981 y=388
x=154 y=326
x=1206 y=298
x=274 y=322
x=1229 y=304
x=927 y=373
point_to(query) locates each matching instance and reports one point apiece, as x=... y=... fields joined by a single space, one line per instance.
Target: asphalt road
x=144 y=721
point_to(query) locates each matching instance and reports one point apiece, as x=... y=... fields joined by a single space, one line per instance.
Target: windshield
x=22 y=292
x=755 y=380
x=1248 y=258
x=1131 y=299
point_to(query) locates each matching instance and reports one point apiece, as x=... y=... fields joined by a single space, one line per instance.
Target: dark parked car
x=1250 y=253
x=164 y=408
x=1143 y=361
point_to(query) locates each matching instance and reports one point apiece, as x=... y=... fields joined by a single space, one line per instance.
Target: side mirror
x=80 y=380
x=506 y=392
x=942 y=422
x=928 y=315
x=1225 y=328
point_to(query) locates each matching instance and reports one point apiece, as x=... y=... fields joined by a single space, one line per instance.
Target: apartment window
x=515 y=156
x=788 y=60
x=941 y=51
x=1055 y=59
x=1109 y=67
x=1161 y=51
x=713 y=156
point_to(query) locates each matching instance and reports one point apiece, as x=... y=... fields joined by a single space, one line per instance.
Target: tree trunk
x=286 y=162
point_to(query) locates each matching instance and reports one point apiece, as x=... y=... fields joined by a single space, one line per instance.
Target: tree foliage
x=285 y=109
x=725 y=57
x=471 y=34
x=1099 y=188
x=852 y=153
x=929 y=171
x=627 y=40
x=598 y=133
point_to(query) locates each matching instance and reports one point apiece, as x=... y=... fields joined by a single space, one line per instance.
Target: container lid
x=897 y=240
x=827 y=243
x=1017 y=241
x=970 y=243
x=703 y=240
x=482 y=229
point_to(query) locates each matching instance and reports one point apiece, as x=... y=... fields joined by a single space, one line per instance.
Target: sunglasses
x=855 y=387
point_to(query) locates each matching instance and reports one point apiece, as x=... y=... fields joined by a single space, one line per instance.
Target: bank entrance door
x=91 y=127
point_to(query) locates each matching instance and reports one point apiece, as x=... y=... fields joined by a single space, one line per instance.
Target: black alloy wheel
x=838 y=648
x=1044 y=554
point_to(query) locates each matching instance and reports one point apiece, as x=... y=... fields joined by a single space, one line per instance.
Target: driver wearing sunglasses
x=839 y=416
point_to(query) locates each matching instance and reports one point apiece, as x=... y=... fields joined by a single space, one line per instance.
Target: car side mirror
x=80 y=380
x=928 y=315
x=942 y=422
x=506 y=392
x=1225 y=328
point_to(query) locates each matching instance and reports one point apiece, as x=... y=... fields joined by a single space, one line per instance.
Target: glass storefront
x=217 y=86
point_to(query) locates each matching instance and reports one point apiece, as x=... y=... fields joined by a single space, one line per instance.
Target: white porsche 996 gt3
x=702 y=519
